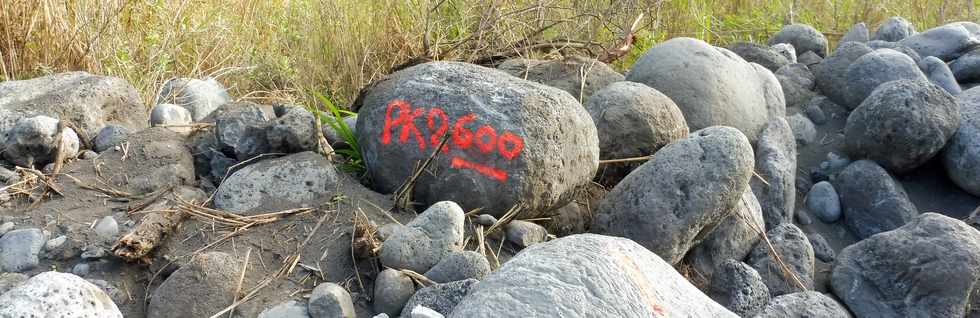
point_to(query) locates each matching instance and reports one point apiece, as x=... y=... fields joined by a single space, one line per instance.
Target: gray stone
x=827 y=169
x=293 y=181
x=814 y=112
x=335 y=136
x=34 y=142
x=525 y=233
x=677 y=197
x=200 y=288
x=804 y=132
x=425 y=312
x=946 y=42
x=633 y=120
x=877 y=68
x=459 y=265
x=967 y=67
x=894 y=29
x=426 y=240
x=831 y=73
x=926 y=268
x=87 y=155
x=587 y=275
x=899 y=47
x=441 y=298
x=809 y=59
x=807 y=304
x=738 y=287
x=803 y=218
x=241 y=130
x=857 y=33
x=109 y=136
x=330 y=300
x=81 y=269
x=797 y=83
x=55 y=243
x=288 y=309
x=821 y=249
x=512 y=140
x=711 y=86
x=759 y=54
x=961 y=157
x=53 y=294
x=9 y=281
x=733 y=238
x=19 y=250
x=392 y=290
x=171 y=115
x=775 y=163
x=902 y=125
x=873 y=201
x=794 y=250
x=485 y=220
x=93 y=252
x=579 y=76
x=938 y=73
x=803 y=37
x=786 y=50
x=294 y=131
x=107 y=228
x=823 y=201
x=200 y=97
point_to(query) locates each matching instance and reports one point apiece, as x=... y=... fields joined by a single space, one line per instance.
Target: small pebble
x=485 y=220
x=525 y=233
x=88 y=154
x=93 y=252
x=824 y=202
x=81 y=269
x=55 y=243
x=107 y=228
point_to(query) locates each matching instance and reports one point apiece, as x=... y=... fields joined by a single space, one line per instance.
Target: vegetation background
x=287 y=49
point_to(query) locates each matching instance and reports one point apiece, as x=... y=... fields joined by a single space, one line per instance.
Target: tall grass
x=281 y=49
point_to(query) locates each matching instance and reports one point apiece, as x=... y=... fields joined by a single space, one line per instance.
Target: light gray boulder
x=946 y=42
x=329 y=300
x=524 y=233
x=806 y=304
x=19 y=250
x=199 y=97
x=794 y=250
x=775 y=163
x=733 y=238
x=877 y=68
x=459 y=265
x=426 y=240
x=200 y=288
x=293 y=181
x=939 y=73
x=894 y=29
x=857 y=33
x=873 y=201
x=831 y=73
x=287 y=309
x=803 y=37
x=392 y=290
x=54 y=294
x=738 y=287
x=171 y=115
x=34 y=142
x=786 y=50
x=578 y=75
x=961 y=157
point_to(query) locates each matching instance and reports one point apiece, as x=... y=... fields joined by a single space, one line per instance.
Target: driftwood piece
x=161 y=219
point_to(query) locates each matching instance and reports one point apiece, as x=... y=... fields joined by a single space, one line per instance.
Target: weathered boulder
x=441 y=298
x=293 y=131
x=54 y=294
x=926 y=268
x=939 y=73
x=873 y=201
x=199 y=97
x=240 y=130
x=677 y=197
x=329 y=300
x=877 y=68
x=961 y=157
x=786 y=50
x=19 y=250
x=805 y=304
x=967 y=67
x=289 y=182
x=946 y=42
x=898 y=47
x=711 y=86
x=177 y=117
x=738 y=287
x=587 y=275
x=579 y=76
x=759 y=54
x=34 y=142
x=459 y=265
x=633 y=120
x=286 y=309
x=894 y=29
x=831 y=73
x=857 y=33
x=733 y=238
x=426 y=240
x=902 y=124
x=794 y=250
x=821 y=248
x=803 y=37
x=200 y=288
x=511 y=140
x=524 y=233
x=797 y=83
x=775 y=162
x=809 y=59
x=109 y=136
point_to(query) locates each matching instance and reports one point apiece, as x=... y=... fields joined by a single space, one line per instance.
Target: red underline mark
x=492 y=172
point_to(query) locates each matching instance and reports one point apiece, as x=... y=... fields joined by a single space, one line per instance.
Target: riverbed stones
x=738 y=287
x=240 y=130
x=775 y=163
x=877 y=68
x=19 y=250
x=946 y=42
x=831 y=73
x=200 y=288
x=293 y=131
x=797 y=83
x=294 y=181
x=54 y=294
x=794 y=250
x=857 y=33
x=810 y=304
x=759 y=54
x=803 y=37
x=199 y=97
x=938 y=73
x=894 y=29
x=426 y=240
x=459 y=265
x=823 y=202
x=329 y=300
x=34 y=142
x=733 y=238
x=392 y=290
x=961 y=157
x=578 y=75
x=873 y=201
x=967 y=67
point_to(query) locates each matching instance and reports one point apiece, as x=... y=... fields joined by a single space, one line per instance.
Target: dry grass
x=284 y=49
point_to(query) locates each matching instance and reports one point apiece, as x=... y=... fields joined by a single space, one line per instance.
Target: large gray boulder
x=775 y=163
x=967 y=67
x=675 y=199
x=759 y=54
x=803 y=37
x=927 y=268
x=894 y=29
x=54 y=294
x=831 y=73
x=419 y=245
x=86 y=101
x=293 y=181
x=857 y=33
x=293 y=131
x=633 y=120
x=34 y=142
x=738 y=287
x=939 y=73
x=579 y=76
x=805 y=304
x=712 y=86
x=794 y=251
x=876 y=68
x=961 y=157
x=511 y=141
x=902 y=124
x=587 y=275
x=797 y=83
x=200 y=288
x=199 y=97
x=240 y=130
x=946 y=42
x=732 y=239
x=872 y=200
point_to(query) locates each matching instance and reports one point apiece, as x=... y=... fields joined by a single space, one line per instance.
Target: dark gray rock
x=794 y=250
x=392 y=290
x=797 y=83
x=199 y=97
x=579 y=76
x=198 y=289
x=899 y=47
x=293 y=181
x=775 y=163
x=894 y=29
x=53 y=294
x=33 y=142
x=459 y=265
x=946 y=42
x=81 y=269
x=426 y=240
x=822 y=249
x=803 y=37
x=938 y=73
x=738 y=287
x=241 y=131
x=19 y=250
x=872 y=200
x=759 y=54
x=712 y=86
x=633 y=120
x=525 y=233
x=926 y=268
x=171 y=115
x=733 y=238
x=587 y=275
x=677 y=197
x=287 y=309
x=902 y=125
x=294 y=131
x=831 y=73
x=823 y=201
x=803 y=218
x=815 y=112
x=809 y=59
x=804 y=132
x=513 y=140
x=786 y=50
x=441 y=298
x=109 y=136
x=857 y=33
x=961 y=157
x=967 y=67
x=877 y=68
x=806 y=304
x=329 y=300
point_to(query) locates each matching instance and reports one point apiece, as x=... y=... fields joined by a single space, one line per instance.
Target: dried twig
x=403 y=196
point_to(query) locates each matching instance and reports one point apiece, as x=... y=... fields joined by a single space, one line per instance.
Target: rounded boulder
x=803 y=37
x=961 y=157
x=876 y=68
